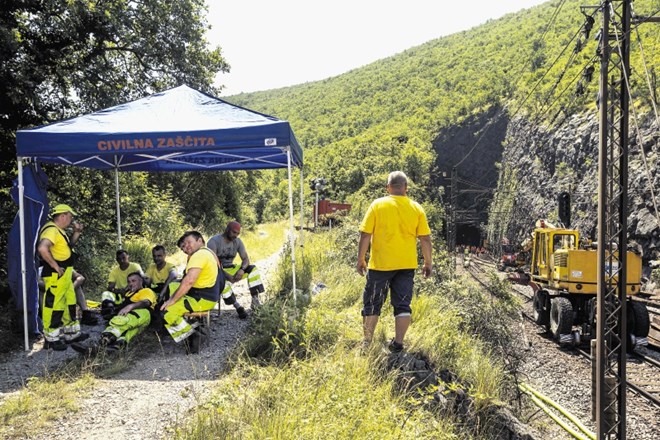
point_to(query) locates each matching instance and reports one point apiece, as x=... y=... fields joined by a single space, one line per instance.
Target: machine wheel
x=638 y=319
x=540 y=313
x=561 y=316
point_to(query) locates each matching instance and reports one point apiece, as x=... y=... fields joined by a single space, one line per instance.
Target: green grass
x=301 y=374
x=32 y=410
x=264 y=240
x=330 y=395
x=306 y=377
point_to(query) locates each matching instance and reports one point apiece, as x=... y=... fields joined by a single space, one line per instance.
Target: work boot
x=81 y=337
x=242 y=314
x=57 y=345
x=89 y=318
x=116 y=346
x=107 y=309
x=395 y=347
x=91 y=349
x=107 y=339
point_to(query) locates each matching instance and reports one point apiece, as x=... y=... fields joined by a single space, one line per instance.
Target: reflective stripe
x=228 y=290
x=72 y=328
x=182 y=325
x=114 y=330
x=180 y=336
x=52 y=335
x=254 y=283
x=109 y=296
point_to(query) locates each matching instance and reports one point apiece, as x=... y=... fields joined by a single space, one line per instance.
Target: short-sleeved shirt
x=159 y=276
x=226 y=251
x=60 y=249
x=394 y=223
x=120 y=277
x=142 y=294
x=203 y=259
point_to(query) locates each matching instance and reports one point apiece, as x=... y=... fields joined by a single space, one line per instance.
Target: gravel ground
x=156 y=391
x=565 y=377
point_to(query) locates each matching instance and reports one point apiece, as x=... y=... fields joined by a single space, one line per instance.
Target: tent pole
x=302 y=206
x=21 y=220
x=118 y=207
x=292 y=231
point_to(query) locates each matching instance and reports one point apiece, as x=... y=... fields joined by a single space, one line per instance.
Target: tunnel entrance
x=468 y=234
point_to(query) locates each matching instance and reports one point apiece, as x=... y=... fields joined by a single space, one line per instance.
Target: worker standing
x=61 y=325
x=391 y=227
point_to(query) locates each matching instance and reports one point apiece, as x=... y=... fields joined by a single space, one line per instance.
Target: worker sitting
x=133 y=317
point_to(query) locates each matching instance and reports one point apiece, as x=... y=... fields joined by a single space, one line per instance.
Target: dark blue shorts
x=398 y=282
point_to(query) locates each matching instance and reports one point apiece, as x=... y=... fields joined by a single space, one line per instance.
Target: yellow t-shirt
x=120 y=277
x=60 y=248
x=394 y=223
x=204 y=259
x=142 y=294
x=159 y=276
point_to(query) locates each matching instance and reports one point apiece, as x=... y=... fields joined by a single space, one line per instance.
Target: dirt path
x=146 y=399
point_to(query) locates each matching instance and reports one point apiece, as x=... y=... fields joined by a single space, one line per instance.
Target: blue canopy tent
x=180 y=129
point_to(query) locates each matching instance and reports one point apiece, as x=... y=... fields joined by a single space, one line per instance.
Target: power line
x=501 y=111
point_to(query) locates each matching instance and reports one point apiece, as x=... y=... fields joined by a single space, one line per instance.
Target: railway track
x=643 y=370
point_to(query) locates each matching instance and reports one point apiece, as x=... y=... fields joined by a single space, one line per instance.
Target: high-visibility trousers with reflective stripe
x=128 y=326
x=253 y=278
x=175 y=324
x=59 y=307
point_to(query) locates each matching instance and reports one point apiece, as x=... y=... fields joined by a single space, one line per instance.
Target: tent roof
x=180 y=129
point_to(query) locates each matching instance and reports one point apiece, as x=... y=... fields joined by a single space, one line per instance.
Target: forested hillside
x=432 y=107
x=424 y=109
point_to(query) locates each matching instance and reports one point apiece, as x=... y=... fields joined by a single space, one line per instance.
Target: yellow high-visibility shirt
x=144 y=293
x=159 y=276
x=60 y=248
x=204 y=259
x=394 y=223
x=120 y=277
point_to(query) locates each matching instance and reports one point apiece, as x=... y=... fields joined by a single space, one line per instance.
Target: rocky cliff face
x=474 y=150
x=539 y=162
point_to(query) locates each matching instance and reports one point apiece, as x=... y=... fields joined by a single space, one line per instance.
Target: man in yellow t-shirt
x=199 y=290
x=133 y=317
x=118 y=283
x=161 y=273
x=392 y=226
x=58 y=309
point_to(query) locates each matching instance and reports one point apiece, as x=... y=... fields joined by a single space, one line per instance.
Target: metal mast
x=610 y=380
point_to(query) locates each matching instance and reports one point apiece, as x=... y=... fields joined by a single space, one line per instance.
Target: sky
x=278 y=43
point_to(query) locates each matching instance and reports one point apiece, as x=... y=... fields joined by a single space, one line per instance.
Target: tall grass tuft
x=328 y=396
x=44 y=400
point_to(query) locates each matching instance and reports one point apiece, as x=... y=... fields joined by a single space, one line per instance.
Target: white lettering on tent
x=270 y=142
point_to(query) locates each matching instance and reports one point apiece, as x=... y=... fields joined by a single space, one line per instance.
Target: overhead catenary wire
x=501 y=111
x=648 y=79
x=582 y=29
x=640 y=140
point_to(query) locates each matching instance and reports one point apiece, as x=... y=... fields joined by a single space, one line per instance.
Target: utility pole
x=614 y=99
x=317 y=185
x=611 y=334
